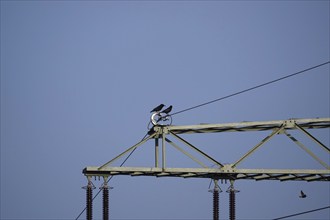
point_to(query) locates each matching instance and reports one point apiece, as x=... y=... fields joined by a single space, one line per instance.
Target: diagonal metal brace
x=276 y=131
x=128 y=150
x=312 y=137
x=307 y=150
x=196 y=149
x=186 y=153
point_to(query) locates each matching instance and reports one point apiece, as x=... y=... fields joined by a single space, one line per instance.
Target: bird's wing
x=158 y=108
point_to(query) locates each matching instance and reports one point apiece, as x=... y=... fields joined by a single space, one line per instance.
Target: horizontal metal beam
x=226 y=171
x=223 y=173
x=313 y=123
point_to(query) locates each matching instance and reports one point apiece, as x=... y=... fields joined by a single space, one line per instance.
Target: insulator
x=105 y=203
x=89 y=201
x=232 y=205
x=215 y=205
x=232 y=201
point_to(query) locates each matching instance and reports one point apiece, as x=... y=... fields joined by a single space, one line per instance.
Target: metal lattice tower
x=228 y=171
x=161 y=133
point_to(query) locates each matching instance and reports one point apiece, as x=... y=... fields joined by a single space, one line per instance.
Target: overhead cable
x=302 y=213
x=252 y=88
x=110 y=178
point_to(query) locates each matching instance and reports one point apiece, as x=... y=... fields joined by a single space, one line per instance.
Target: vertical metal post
x=216 y=200
x=232 y=200
x=163 y=151
x=105 y=199
x=156 y=153
x=89 y=200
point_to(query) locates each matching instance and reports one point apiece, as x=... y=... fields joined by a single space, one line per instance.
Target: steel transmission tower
x=161 y=133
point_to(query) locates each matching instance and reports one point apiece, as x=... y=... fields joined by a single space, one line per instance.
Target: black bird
x=158 y=108
x=302 y=194
x=168 y=110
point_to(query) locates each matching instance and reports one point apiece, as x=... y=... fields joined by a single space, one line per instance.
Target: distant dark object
x=168 y=110
x=302 y=194
x=158 y=108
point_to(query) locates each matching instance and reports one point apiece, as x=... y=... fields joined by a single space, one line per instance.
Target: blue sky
x=79 y=78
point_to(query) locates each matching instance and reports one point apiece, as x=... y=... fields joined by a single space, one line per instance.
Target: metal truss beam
x=224 y=173
x=251 y=126
x=228 y=171
x=276 y=131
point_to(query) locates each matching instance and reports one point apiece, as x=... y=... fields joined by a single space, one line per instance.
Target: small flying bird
x=302 y=194
x=158 y=108
x=168 y=110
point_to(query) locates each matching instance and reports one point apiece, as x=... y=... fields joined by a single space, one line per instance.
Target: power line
x=252 y=88
x=302 y=213
x=110 y=178
x=219 y=99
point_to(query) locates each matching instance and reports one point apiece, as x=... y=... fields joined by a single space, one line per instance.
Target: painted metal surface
x=222 y=171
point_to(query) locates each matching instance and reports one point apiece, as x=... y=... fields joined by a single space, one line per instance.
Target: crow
x=302 y=194
x=168 y=110
x=158 y=108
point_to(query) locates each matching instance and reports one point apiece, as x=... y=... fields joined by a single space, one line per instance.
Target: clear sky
x=79 y=78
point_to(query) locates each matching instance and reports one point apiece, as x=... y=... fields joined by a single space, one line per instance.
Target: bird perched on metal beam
x=302 y=194
x=167 y=110
x=158 y=108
